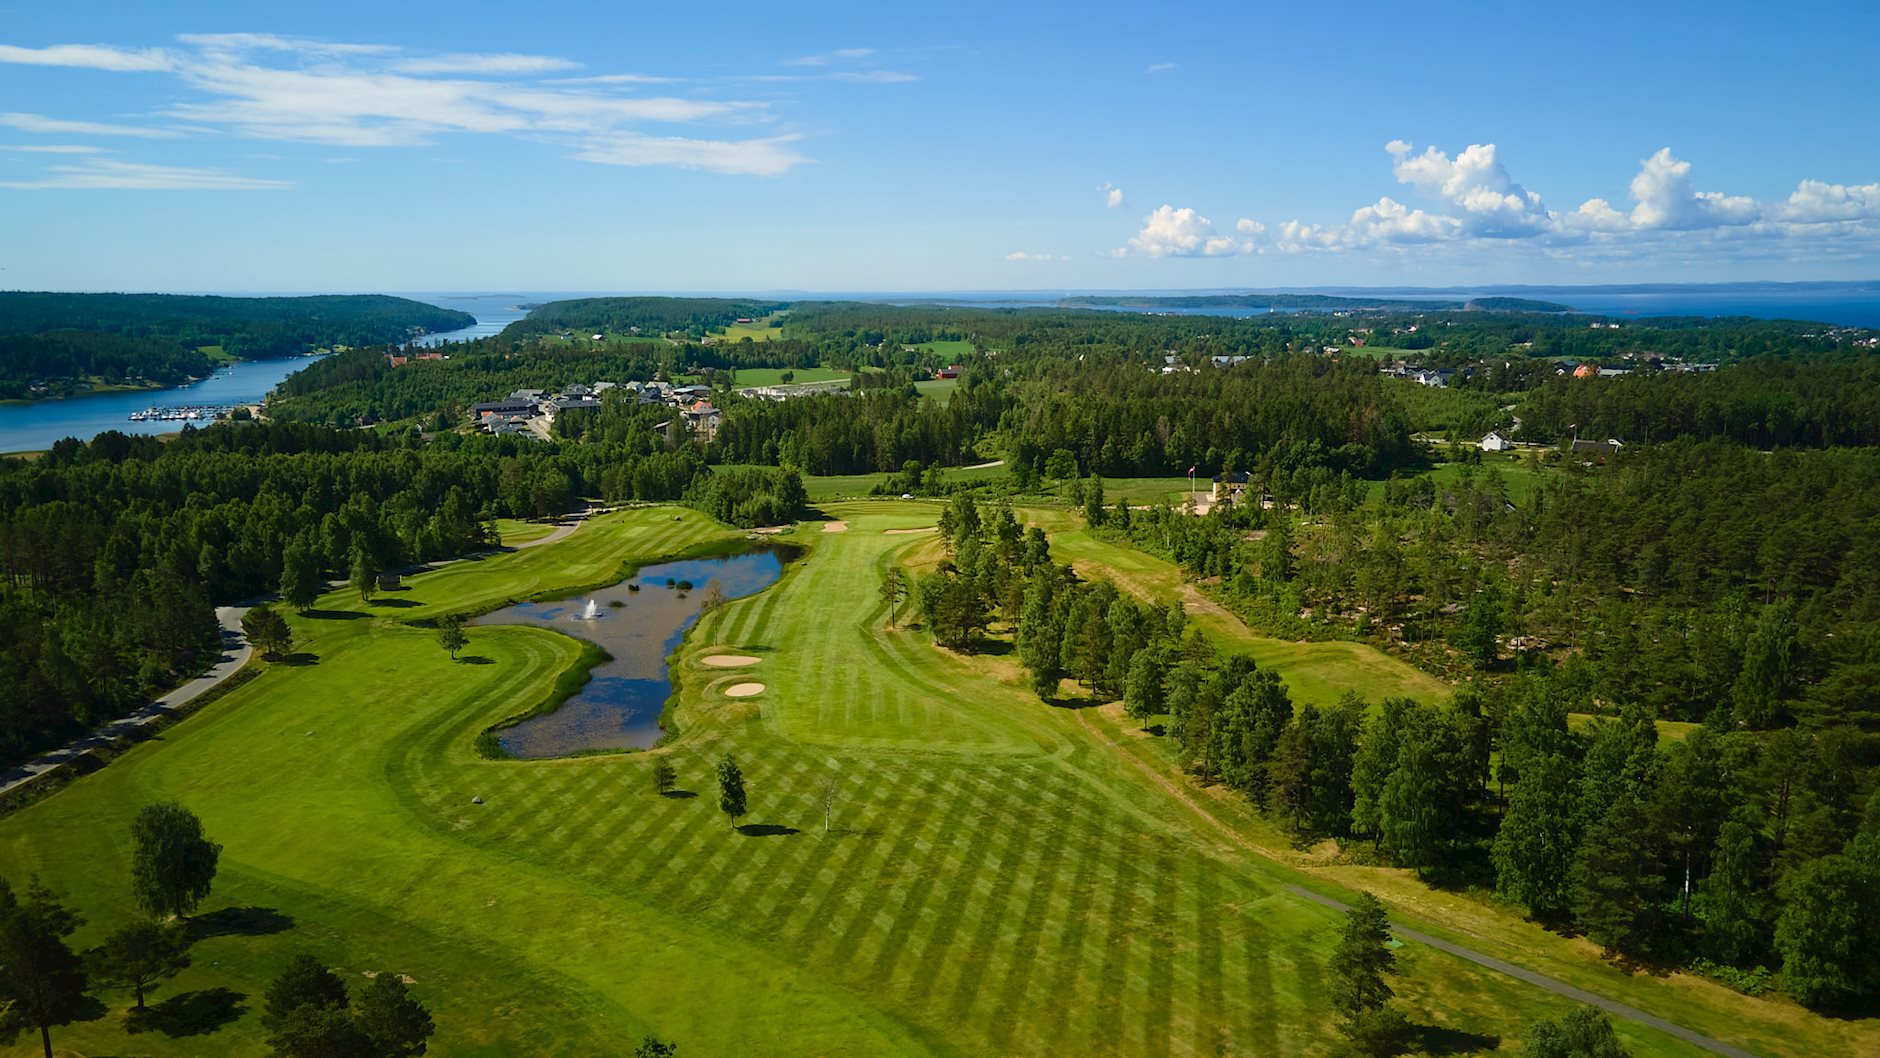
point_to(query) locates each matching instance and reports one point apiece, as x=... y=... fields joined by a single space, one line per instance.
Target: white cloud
x=41 y=123
x=761 y=157
x=1815 y=202
x=90 y=57
x=1249 y=226
x=1471 y=196
x=1666 y=200
x=1162 y=67
x=831 y=58
x=1171 y=232
x=272 y=87
x=1112 y=195
x=107 y=174
x=499 y=63
x=58 y=148
x=1475 y=187
x=1020 y=255
x=616 y=78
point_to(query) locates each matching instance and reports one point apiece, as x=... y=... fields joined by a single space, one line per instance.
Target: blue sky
x=836 y=147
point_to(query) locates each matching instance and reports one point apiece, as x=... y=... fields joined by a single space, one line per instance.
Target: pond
x=638 y=621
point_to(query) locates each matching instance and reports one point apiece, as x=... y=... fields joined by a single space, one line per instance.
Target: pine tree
x=1358 y=989
x=1736 y=915
x=1618 y=886
x=42 y=981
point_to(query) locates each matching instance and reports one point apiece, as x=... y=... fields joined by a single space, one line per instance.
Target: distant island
x=58 y=345
x=1325 y=302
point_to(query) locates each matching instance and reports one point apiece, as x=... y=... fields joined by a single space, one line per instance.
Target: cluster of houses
x=532 y=412
x=401 y=359
x=1438 y=377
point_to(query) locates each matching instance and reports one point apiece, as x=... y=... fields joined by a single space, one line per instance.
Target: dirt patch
x=908 y=532
x=744 y=690
x=771 y=530
x=835 y=527
x=728 y=661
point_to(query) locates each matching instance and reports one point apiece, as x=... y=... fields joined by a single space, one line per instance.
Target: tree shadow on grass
x=474 y=659
x=297 y=658
x=677 y=795
x=1438 y=1040
x=400 y=604
x=238 y=922
x=188 y=1013
x=766 y=830
x=335 y=615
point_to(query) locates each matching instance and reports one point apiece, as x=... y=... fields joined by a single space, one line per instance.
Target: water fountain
x=592 y=613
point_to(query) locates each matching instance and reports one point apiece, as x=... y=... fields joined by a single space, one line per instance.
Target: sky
x=340 y=146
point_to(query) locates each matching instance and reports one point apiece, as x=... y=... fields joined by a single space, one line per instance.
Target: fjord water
x=34 y=426
x=620 y=704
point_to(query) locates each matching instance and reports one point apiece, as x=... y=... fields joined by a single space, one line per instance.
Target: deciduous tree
x=731 y=799
x=172 y=862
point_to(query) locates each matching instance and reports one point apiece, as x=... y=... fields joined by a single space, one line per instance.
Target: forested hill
x=248 y=327
x=52 y=344
x=1326 y=302
x=694 y=317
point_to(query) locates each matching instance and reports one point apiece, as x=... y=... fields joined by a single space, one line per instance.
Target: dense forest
x=1749 y=843
x=654 y=317
x=113 y=552
x=159 y=338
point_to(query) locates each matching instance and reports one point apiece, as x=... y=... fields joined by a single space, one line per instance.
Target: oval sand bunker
x=743 y=690
x=729 y=661
x=835 y=527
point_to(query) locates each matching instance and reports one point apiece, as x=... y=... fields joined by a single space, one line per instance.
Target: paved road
x=1611 y=1006
x=235 y=654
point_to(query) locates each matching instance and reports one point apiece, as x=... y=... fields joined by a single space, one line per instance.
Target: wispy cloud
x=270 y=87
x=56 y=126
x=1162 y=67
x=1020 y=255
x=831 y=58
x=760 y=157
x=90 y=57
x=106 y=174
x=617 y=78
x=501 y=63
x=57 y=148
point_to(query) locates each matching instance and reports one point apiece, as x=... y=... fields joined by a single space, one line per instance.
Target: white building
x=1495 y=442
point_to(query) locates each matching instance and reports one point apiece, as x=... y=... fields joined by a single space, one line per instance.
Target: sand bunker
x=729 y=661
x=905 y=532
x=743 y=690
x=835 y=527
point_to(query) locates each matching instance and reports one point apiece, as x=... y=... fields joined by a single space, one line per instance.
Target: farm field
x=952 y=351
x=999 y=876
x=770 y=328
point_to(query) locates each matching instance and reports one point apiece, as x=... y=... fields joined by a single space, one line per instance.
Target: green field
x=940 y=389
x=1002 y=877
x=773 y=376
x=513 y=531
x=770 y=328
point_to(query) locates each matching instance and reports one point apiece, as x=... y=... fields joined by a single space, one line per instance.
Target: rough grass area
x=1317 y=673
x=940 y=389
x=1001 y=877
x=513 y=531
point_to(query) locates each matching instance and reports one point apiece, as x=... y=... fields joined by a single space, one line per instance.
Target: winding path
x=1539 y=980
x=235 y=654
